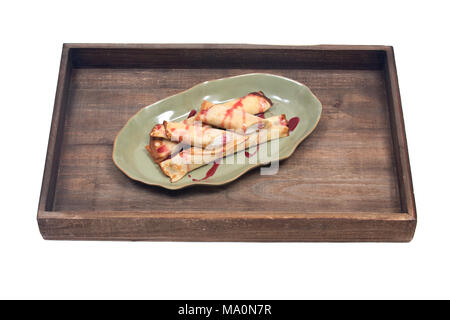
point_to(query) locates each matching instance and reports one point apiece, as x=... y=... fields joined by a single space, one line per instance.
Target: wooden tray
x=349 y=181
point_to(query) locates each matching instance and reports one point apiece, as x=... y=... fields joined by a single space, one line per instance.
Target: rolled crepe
x=253 y=103
x=232 y=117
x=198 y=136
x=186 y=161
x=160 y=149
x=158 y=131
x=279 y=129
x=279 y=120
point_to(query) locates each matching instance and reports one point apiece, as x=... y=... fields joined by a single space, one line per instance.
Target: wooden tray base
x=349 y=181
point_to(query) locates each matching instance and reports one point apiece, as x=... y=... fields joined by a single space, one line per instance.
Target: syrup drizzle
x=162 y=149
x=201 y=116
x=210 y=172
x=229 y=112
x=248 y=154
x=192 y=113
x=238 y=103
x=293 y=122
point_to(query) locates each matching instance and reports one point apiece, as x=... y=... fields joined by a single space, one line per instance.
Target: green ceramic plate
x=288 y=96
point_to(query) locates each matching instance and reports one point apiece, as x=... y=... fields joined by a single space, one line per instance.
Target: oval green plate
x=288 y=96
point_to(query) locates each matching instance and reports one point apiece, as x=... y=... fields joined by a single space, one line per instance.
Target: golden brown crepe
x=158 y=131
x=232 y=117
x=279 y=129
x=279 y=120
x=186 y=161
x=238 y=114
x=253 y=103
x=198 y=136
x=160 y=149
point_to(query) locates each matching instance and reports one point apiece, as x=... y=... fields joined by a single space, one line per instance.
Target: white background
x=32 y=35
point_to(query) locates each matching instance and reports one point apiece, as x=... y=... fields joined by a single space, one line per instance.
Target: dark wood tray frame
x=226 y=226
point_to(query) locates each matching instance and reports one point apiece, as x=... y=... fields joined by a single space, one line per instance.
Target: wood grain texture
x=349 y=181
x=46 y=198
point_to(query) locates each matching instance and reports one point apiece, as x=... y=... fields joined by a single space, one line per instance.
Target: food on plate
x=200 y=136
x=279 y=129
x=181 y=147
x=254 y=103
x=232 y=117
x=160 y=149
x=188 y=160
x=158 y=131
